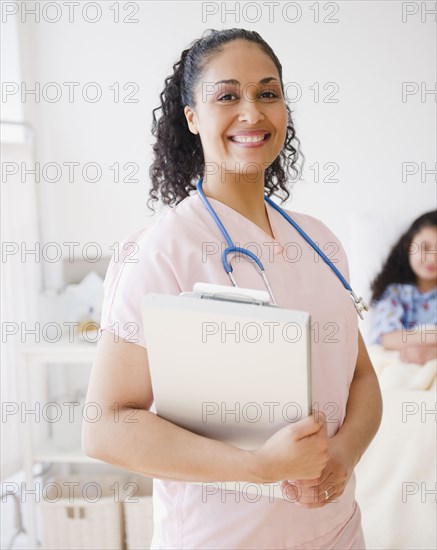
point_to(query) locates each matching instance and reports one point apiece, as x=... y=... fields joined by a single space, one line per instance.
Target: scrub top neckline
x=224 y=210
x=423 y=293
x=418 y=291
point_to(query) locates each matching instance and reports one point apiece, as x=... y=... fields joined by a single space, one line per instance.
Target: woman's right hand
x=418 y=353
x=296 y=451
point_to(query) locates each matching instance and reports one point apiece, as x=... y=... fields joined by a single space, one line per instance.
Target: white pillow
x=368 y=243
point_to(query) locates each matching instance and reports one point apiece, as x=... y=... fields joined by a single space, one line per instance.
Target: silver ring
x=327 y=495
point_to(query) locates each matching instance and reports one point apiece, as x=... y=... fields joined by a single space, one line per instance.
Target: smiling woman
x=212 y=97
x=225 y=120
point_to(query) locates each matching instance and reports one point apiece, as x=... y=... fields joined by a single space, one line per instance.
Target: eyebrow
x=233 y=81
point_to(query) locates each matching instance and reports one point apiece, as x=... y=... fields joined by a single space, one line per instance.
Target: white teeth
x=248 y=139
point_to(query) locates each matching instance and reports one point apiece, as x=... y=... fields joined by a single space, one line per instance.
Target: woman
x=196 y=138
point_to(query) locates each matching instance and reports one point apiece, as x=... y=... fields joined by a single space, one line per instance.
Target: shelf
x=62 y=351
x=62 y=344
x=47 y=452
x=37 y=354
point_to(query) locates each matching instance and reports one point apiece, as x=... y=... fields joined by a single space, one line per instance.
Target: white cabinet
x=40 y=356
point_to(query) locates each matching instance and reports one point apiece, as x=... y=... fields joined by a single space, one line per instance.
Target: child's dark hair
x=178 y=156
x=397 y=267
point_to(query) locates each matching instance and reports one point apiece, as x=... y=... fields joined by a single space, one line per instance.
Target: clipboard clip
x=209 y=291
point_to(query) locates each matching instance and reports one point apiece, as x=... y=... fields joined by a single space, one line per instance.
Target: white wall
x=369 y=133
x=12 y=110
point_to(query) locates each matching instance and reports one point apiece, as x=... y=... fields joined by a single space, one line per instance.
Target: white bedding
x=400 y=464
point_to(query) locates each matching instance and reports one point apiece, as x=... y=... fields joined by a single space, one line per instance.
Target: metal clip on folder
x=210 y=291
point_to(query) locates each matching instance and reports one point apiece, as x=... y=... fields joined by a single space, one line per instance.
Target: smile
x=250 y=141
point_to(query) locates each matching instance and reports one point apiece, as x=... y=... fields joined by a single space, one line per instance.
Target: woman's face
x=423 y=255
x=247 y=106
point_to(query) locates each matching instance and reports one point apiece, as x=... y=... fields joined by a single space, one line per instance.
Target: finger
x=319 y=416
x=328 y=491
x=309 y=425
x=317 y=496
x=290 y=491
x=327 y=473
x=305 y=500
x=309 y=482
x=293 y=492
x=326 y=477
x=309 y=497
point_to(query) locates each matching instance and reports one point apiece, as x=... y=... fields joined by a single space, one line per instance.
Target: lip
x=250 y=145
x=259 y=132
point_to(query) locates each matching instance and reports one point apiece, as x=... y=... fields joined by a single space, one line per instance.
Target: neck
x=425 y=285
x=241 y=193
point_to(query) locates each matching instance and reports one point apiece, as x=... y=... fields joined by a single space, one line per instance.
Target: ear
x=190 y=115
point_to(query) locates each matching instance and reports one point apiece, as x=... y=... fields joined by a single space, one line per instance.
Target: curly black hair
x=396 y=268
x=178 y=155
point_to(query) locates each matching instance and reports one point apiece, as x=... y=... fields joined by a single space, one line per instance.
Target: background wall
x=361 y=74
x=357 y=54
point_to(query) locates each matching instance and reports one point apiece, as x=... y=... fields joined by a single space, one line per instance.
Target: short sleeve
x=387 y=314
x=136 y=268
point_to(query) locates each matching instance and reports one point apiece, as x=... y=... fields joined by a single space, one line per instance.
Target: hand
x=418 y=353
x=335 y=475
x=296 y=450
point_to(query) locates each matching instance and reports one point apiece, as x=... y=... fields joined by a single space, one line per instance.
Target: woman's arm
x=364 y=407
x=130 y=436
x=418 y=353
x=399 y=339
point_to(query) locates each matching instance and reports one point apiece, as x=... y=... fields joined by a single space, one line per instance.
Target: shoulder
x=315 y=223
x=147 y=252
x=400 y=291
x=169 y=227
x=324 y=237
x=312 y=226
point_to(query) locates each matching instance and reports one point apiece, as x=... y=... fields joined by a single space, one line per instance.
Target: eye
x=226 y=95
x=272 y=94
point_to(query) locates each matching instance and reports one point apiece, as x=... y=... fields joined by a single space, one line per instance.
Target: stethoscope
x=359 y=303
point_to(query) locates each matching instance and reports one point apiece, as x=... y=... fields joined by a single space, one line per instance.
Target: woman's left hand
x=311 y=493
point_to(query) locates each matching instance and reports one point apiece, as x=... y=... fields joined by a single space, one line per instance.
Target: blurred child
x=404 y=294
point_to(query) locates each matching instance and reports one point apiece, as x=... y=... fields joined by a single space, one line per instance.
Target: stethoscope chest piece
x=359 y=303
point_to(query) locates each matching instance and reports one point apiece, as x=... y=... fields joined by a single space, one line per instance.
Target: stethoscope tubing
x=358 y=302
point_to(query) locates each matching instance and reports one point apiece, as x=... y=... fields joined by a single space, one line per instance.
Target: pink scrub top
x=183 y=246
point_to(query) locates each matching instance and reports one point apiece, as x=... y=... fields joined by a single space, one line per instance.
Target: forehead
x=426 y=234
x=240 y=60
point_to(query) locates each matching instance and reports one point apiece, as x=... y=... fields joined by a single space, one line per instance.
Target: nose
x=250 y=110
